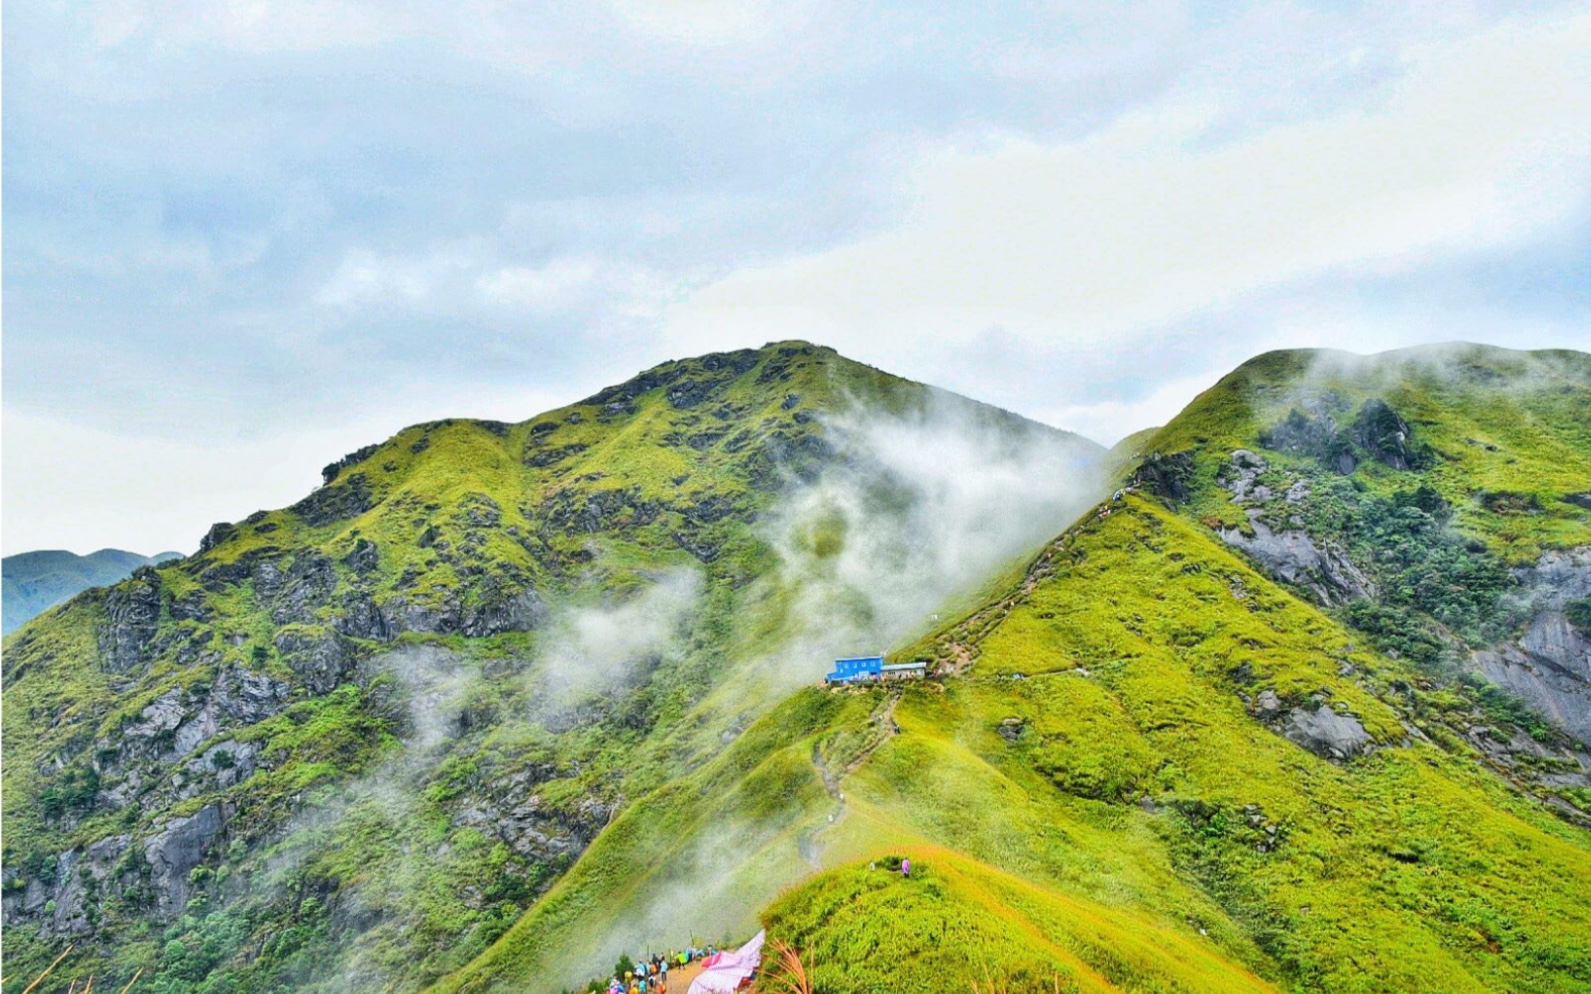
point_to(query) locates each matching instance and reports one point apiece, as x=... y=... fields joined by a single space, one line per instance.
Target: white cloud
x=1479 y=145
x=364 y=277
x=460 y=278
x=247 y=25
x=575 y=285
x=702 y=22
x=1109 y=421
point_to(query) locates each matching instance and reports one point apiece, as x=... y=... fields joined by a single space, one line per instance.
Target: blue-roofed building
x=856 y=670
x=863 y=668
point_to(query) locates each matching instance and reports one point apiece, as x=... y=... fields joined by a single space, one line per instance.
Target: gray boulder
x=1294 y=558
x=1326 y=733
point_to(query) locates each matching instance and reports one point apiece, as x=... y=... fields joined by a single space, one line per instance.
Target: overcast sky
x=242 y=238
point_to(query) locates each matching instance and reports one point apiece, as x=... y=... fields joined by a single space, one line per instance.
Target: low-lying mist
x=588 y=650
x=924 y=507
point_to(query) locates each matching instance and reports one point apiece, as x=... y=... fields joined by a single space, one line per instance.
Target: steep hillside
x=350 y=741
x=501 y=702
x=1154 y=730
x=37 y=581
x=1148 y=765
x=1438 y=500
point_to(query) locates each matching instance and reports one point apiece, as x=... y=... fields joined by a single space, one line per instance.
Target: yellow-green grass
x=957 y=924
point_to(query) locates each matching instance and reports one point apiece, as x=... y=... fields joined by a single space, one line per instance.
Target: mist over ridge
x=498 y=702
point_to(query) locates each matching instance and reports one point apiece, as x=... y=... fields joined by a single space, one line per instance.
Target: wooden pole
x=40 y=978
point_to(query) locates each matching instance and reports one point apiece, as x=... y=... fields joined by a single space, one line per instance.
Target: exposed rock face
x=1166 y=476
x=307 y=586
x=320 y=658
x=63 y=903
x=336 y=501
x=79 y=876
x=505 y=611
x=1242 y=473
x=173 y=852
x=1383 y=433
x=132 y=616
x=1326 y=733
x=515 y=813
x=351 y=459
x=1549 y=666
x=1292 y=556
x=175 y=723
x=1377 y=432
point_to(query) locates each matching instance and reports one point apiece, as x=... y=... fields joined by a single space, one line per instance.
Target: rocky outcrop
x=1326 y=733
x=64 y=901
x=336 y=502
x=1241 y=476
x=1383 y=434
x=1549 y=665
x=351 y=459
x=176 y=850
x=1293 y=557
x=305 y=588
x=320 y=658
x=505 y=611
x=1376 y=432
x=132 y=617
x=179 y=720
x=62 y=904
x=515 y=812
x=1166 y=476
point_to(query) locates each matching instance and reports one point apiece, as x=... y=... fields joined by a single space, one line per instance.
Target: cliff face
x=1548 y=664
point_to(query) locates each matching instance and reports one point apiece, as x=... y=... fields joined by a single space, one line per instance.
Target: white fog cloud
x=595 y=649
x=925 y=506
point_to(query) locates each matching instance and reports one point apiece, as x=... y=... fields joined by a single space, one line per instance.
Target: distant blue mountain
x=37 y=581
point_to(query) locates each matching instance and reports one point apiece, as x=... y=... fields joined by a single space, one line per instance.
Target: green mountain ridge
x=37 y=581
x=460 y=658
x=1152 y=766
x=1298 y=710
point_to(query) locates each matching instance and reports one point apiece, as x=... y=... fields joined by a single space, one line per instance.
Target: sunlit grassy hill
x=498 y=703
x=1157 y=757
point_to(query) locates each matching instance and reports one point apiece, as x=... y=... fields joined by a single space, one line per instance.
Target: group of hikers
x=649 y=974
x=1116 y=498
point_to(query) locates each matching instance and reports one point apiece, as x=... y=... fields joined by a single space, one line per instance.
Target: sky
x=243 y=238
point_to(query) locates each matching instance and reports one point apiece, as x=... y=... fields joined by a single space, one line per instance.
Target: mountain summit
x=416 y=695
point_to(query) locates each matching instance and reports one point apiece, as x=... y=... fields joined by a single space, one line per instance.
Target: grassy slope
x=584 y=505
x=1117 y=833
x=1406 y=870
x=1140 y=637
x=1496 y=422
x=1410 y=869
